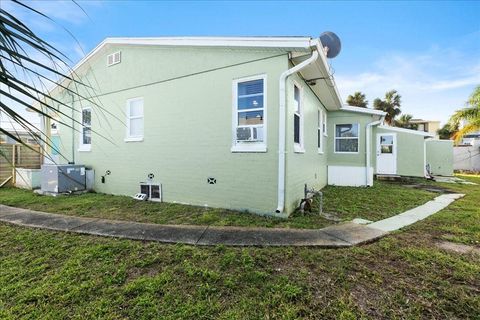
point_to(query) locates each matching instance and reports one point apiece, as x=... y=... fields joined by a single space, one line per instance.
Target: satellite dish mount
x=331 y=44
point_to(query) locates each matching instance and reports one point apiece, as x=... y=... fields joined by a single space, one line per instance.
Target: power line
x=187 y=75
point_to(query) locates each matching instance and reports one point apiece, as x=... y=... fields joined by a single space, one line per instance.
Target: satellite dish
x=331 y=43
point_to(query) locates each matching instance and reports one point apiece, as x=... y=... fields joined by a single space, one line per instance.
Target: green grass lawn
x=54 y=275
x=374 y=203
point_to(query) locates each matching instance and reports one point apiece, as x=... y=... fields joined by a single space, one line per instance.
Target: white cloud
x=64 y=13
x=432 y=84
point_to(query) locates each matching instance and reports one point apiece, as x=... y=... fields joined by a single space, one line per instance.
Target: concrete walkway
x=337 y=236
x=416 y=214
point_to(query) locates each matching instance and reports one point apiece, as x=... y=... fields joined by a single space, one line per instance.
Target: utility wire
x=187 y=75
x=468 y=157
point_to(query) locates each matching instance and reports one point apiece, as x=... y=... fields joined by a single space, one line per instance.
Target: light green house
x=240 y=123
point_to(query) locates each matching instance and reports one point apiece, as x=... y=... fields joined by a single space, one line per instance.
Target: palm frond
x=468 y=128
x=23 y=78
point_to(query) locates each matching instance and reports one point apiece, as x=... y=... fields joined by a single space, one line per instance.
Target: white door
x=386 y=153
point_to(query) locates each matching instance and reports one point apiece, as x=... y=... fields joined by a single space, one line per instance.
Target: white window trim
x=299 y=147
x=81 y=146
x=324 y=121
x=128 y=137
x=248 y=146
x=345 y=138
x=320 y=130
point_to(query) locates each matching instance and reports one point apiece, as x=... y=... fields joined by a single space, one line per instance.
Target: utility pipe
x=73 y=128
x=368 y=151
x=426 y=174
x=281 y=124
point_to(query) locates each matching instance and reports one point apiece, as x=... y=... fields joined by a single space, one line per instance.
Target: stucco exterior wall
x=308 y=166
x=187 y=126
x=410 y=152
x=347 y=159
x=440 y=157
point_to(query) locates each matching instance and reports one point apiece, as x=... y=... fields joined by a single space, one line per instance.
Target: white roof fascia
x=245 y=42
x=336 y=93
x=363 y=110
x=261 y=42
x=423 y=121
x=420 y=133
x=303 y=43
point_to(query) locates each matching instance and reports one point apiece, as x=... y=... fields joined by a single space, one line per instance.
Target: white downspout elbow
x=282 y=124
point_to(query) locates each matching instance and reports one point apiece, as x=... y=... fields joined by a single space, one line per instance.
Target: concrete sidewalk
x=337 y=236
x=416 y=214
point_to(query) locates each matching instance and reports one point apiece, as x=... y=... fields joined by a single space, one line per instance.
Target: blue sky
x=428 y=51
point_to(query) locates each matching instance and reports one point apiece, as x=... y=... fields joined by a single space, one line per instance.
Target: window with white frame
x=297 y=118
x=85 y=142
x=324 y=123
x=134 y=120
x=249 y=114
x=346 y=138
x=319 y=130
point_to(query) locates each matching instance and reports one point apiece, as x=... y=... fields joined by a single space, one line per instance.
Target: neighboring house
x=240 y=123
x=470 y=138
x=430 y=126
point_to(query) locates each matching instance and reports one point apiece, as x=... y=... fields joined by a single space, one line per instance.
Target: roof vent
x=114 y=58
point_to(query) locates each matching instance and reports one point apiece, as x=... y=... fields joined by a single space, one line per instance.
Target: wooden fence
x=17 y=156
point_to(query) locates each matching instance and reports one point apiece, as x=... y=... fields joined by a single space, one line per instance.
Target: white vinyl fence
x=467 y=158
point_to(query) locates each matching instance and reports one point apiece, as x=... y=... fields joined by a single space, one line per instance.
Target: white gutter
x=368 y=151
x=281 y=124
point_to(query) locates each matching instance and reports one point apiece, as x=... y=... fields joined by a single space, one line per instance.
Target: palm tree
x=447 y=131
x=469 y=116
x=24 y=79
x=358 y=99
x=404 y=122
x=391 y=105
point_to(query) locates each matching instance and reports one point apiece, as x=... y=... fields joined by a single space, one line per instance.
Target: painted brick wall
x=308 y=167
x=188 y=127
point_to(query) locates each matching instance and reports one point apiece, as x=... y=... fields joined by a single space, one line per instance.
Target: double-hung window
x=134 y=120
x=346 y=138
x=297 y=119
x=86 y=130
x=249 y=114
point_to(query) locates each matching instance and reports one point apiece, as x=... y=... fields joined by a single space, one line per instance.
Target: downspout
x=426 y=172
x=281 y=125
x=73 y=129
x=368 y=147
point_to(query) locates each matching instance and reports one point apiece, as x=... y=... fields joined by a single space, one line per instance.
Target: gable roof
x=299 y=48
x=287 y=43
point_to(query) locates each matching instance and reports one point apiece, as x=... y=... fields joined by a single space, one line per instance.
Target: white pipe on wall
x=368 y=147
x=282 y=124
x=426 y=174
